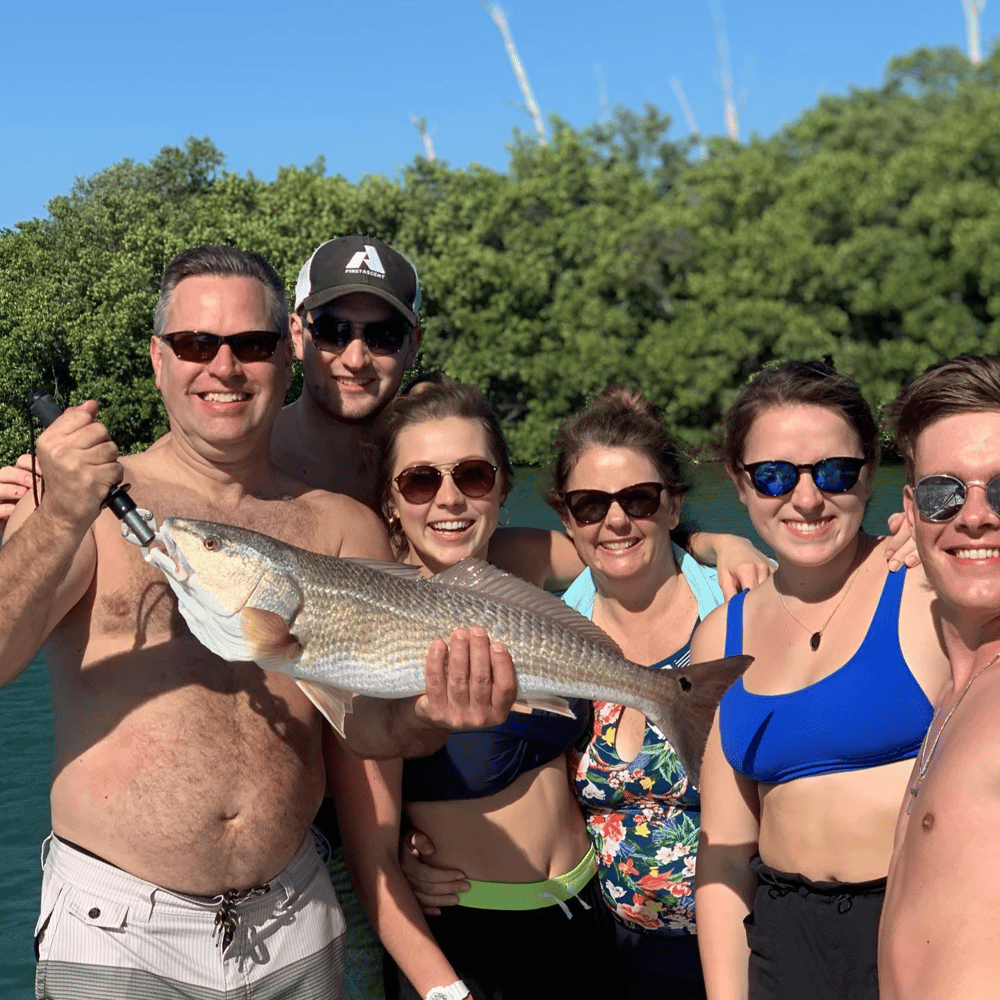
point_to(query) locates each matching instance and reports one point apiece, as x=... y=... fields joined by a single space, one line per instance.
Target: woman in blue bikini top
x=811 y=752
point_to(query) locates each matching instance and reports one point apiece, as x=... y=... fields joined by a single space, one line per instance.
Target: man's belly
x=198 y=787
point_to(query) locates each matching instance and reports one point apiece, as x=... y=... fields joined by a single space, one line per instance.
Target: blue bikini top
x=869 y=712
x=474 y=763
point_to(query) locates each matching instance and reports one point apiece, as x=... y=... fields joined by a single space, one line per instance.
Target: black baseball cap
x=358 y=264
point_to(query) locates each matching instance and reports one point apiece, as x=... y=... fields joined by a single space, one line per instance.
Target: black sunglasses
x=940 y=498
x=474 y=477
x=638 y=501
x=831 y=475
x=383 y=337
x=251 y=345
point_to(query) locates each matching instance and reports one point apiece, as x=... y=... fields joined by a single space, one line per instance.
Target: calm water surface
x=26 y=718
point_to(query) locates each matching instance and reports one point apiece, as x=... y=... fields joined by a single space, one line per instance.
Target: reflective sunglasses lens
x=775 y=479
x=383 y=337
x=197 y=347
x=993 y=494
x=386 y=337
x=329 y=331
x=475 y=478
x=257 y=345
x=837 y=475
x=640 y=501
x=419 y=484
x=201 y=348
x=588 y=506
x=940 y=498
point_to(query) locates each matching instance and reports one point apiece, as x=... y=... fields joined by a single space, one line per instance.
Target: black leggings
x=523 y=954
x=813 y=939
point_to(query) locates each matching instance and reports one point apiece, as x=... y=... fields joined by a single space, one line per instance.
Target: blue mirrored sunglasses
x=831 y=475
x=940 y=498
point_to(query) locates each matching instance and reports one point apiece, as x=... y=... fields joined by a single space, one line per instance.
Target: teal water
x=26 y=752
x=26 y=717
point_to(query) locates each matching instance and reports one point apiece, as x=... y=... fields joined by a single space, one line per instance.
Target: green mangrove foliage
x=868 y=230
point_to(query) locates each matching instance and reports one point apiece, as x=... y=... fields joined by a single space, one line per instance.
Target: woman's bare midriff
x=530 y=831
x=833 y=827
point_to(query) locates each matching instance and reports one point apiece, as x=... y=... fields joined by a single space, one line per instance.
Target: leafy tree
x=867 y=230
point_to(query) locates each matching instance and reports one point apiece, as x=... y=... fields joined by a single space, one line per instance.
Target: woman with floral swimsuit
x=619 y=489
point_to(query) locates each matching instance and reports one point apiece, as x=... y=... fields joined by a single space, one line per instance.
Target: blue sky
x=86 y=85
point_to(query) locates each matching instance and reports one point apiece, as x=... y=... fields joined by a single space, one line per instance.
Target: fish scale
x=409 y=615
x=347 y=625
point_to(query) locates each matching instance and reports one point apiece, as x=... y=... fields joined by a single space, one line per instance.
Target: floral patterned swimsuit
x=643 y=817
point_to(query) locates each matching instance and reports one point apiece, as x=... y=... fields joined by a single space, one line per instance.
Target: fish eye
x=211 y=543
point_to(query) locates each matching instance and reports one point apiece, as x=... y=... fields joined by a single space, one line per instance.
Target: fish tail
x=685 y=703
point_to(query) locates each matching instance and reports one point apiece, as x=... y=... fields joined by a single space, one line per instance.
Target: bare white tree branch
x=602 y=92
x=421 y=126
x=500 y=19
x=973 y=16
x=675 y=86
x=729 y=106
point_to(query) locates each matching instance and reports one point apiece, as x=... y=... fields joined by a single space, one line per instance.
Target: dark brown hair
x=431 y=397
x=967 y=384
x=799 y=383
x=620 y=417
x=221 y=262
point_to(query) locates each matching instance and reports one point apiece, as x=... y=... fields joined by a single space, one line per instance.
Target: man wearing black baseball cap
x=356 y=329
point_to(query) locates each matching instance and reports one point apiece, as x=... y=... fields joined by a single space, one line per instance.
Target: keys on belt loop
x=226 y=917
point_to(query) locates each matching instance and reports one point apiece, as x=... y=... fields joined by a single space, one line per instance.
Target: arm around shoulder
x=541 y=556
x=739 y=563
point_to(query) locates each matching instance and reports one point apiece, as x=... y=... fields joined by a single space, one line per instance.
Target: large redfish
x=347 y=626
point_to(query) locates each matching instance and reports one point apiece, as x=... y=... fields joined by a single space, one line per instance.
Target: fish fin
x=485 y=580
x=546 y=703
x=403 y=570
x=333 y=702
x=688 y=698
x=273 y=646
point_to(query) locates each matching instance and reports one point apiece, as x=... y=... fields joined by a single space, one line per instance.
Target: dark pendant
x=814 y=640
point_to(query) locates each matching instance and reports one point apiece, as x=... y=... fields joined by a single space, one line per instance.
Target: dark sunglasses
x=251 y=345
x=638 y=501
x=474 y=477
x=940 y=498
x=831 y=475
x=383 y=337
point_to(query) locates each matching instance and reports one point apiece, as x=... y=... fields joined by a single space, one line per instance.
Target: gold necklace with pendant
x=815 y=637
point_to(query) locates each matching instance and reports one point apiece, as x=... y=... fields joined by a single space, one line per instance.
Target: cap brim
x=330 y=294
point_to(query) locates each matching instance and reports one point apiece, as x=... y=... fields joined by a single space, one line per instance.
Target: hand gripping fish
x=342 y=627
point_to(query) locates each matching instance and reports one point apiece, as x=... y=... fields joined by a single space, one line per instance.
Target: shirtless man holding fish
x=183 y=786
x=939 y=935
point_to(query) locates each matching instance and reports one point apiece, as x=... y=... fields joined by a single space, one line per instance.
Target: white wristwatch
x=456 y=991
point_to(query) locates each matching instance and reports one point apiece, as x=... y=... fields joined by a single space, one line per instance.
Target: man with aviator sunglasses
x=939 y=935
x=184 y=785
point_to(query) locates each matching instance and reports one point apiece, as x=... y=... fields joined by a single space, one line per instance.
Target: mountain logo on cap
x=367 y=259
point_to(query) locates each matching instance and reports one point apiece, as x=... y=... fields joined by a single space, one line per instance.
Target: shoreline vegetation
x=865 y=231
